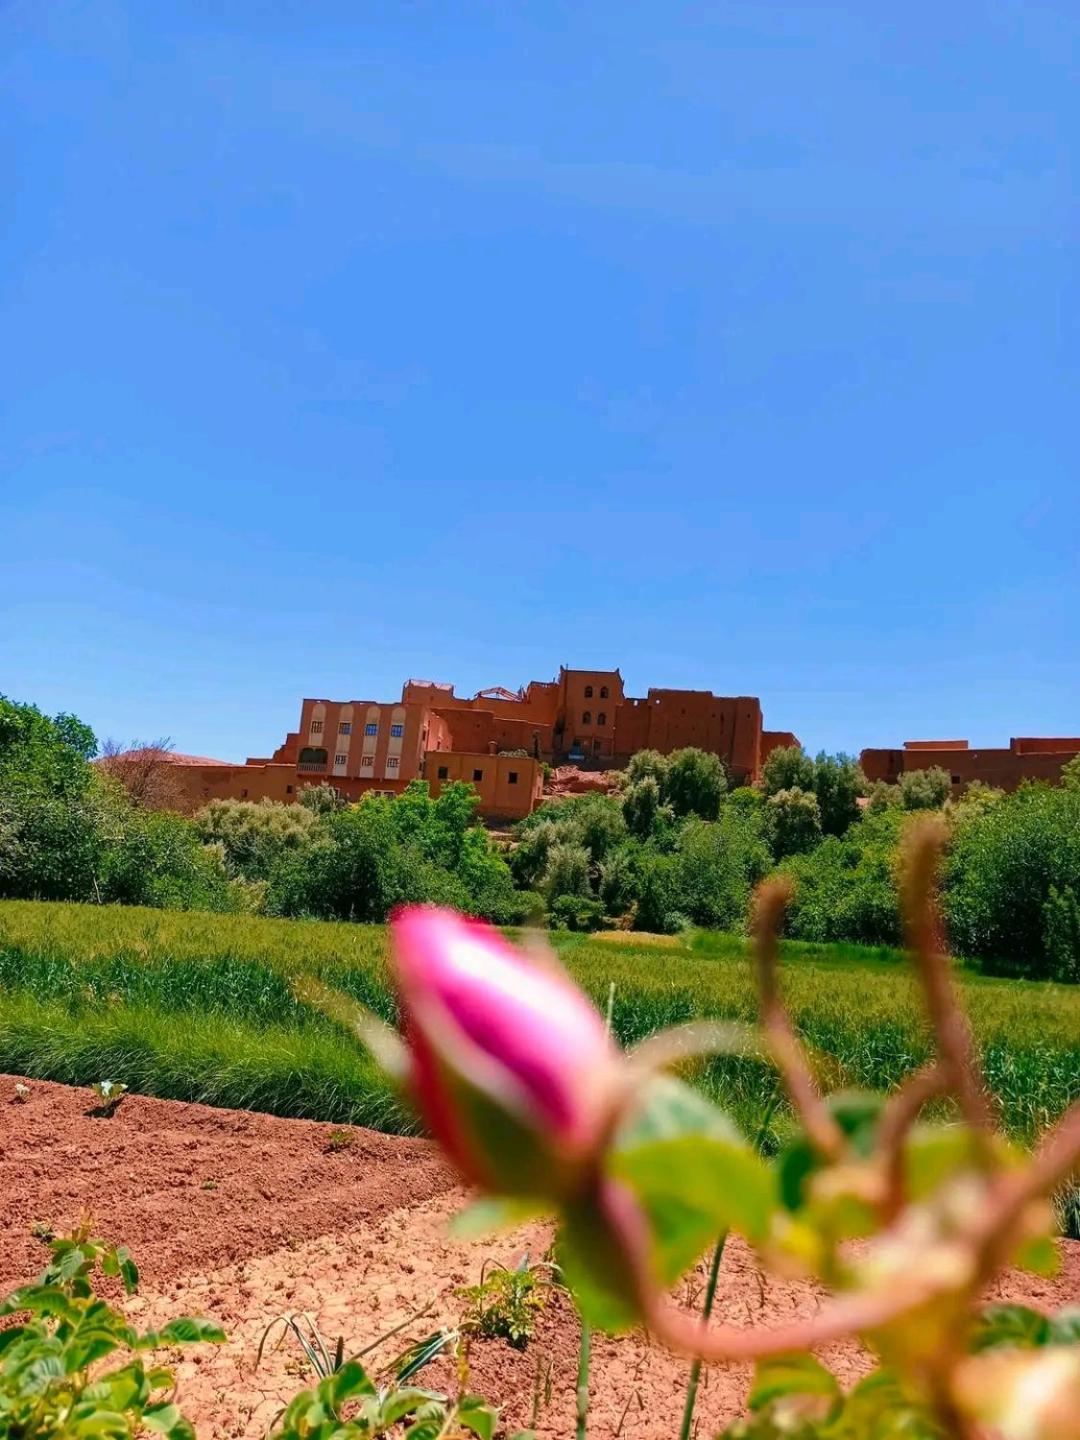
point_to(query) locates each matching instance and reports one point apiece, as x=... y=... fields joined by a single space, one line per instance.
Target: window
x=478 y=774
x=243 y=794
x=397 y=731
x=316 y=727
x=586 y=717
x=601 y=719
x=443 y=772
x=341 y=759
x=367 y=760
x=512 y=777
x=372 y=729
x=288 y=789
x=345 y=728
x=603 y=692
x=392 y=762
x=311 y=759
x=588 y=692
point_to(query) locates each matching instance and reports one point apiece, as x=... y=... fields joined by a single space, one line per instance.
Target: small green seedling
x=110 y=1093
x=339 y=1140
x=506 y=1302
x=22 y=1093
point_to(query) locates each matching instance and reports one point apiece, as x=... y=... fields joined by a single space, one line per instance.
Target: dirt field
x=243 y=1217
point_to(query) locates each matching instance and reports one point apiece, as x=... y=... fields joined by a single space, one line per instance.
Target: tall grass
x=201 y=1007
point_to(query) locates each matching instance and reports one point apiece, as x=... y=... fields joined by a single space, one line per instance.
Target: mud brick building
x=495 y=740
x=1027 y=758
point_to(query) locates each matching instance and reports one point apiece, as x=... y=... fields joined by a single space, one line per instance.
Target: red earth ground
x=244 y=1217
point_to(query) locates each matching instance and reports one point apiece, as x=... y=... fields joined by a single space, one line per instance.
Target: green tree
x=647 y=765
x=788 y=767
x=1070 y=774
x=846 y=888
x=794 y=822
x=641 y=806
x=925 y=789
x=567 y=872
x=1010 y=874
x=695 y=783
x=838 y=784
x=255 y=834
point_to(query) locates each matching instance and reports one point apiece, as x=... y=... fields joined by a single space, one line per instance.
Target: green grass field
x=200 y=1007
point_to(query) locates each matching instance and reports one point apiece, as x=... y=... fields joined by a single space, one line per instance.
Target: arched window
x=586 y=717
x=588 y=692
x=601 y=719
x=312 y=758
x=603 y=692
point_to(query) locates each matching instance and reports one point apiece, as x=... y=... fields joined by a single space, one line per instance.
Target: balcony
x=309 y=767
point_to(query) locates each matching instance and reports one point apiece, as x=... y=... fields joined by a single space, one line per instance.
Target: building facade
x=498 y=740
x=495 y=740
x=1027 y=758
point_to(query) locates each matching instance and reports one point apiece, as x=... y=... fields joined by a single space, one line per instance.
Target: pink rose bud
x=512 y=1067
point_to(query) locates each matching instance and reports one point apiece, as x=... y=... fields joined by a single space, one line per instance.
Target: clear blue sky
x=733 y=343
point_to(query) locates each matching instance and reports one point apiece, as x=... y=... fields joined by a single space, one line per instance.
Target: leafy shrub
x=1012 y=880
x=159 y=859
x=925 y=789
x=716 y=867
x=838 y=784
x=505 y=1304
x=695 y=783
x=836 y=780
x=845 y=889
x=52 y=1384
x=364 y=860
x=788 y=767
x=647 y=765
x=794 y=822
x=641 y=806
x=575 y=912
x=567 y=871
x=254 y=835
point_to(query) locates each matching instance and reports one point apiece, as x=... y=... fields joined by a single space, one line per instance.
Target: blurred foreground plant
x=514 y=1074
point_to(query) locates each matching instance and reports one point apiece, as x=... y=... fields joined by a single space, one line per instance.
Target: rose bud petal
x=512 y=1067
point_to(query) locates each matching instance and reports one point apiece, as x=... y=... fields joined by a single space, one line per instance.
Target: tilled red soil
x=244 y=1217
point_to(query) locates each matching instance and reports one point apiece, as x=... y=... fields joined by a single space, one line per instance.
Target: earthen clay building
x=495 y=740
x=1027 y=758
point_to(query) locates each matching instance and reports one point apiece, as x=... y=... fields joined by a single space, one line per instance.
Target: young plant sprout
x=515 y=1075
x=109 y=1093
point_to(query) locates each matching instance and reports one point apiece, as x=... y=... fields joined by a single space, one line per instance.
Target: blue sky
x=734 y=344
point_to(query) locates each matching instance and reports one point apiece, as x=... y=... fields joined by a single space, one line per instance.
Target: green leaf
x=1038 y=1254
x=492 y=1214
x=187 y=1329
x=1015 y=1326
x=791 y=1375
x=118 y=1261
x=166 y=1419
x=479 y=1417
x=692 y=1172
x=348 y=1383
x=400 y=1403
x=49 y=1300
x=89 y=1419
x=1065 y=1326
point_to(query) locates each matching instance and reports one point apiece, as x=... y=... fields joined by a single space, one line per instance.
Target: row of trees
x=675 y=846
x=74 y=830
